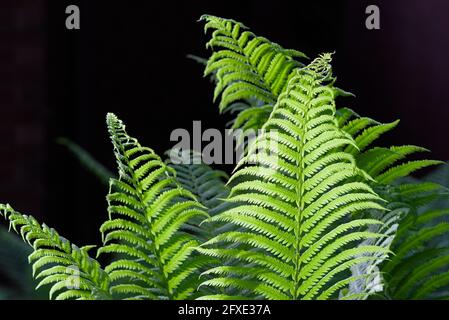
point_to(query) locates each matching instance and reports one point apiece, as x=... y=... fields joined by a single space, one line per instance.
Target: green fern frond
x=408 y=269
x=299 y=235
x=208 y=186
x=66 y=268
x=148 y=209
x=247 y=67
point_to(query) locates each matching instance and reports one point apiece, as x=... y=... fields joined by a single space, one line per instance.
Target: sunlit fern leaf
x=87 y=160
x=296 y=200
x=148 y=208
x=250 y=72
x=69 y=270
x=246 y=66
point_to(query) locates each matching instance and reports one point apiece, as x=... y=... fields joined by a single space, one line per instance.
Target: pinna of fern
x=148 y=209
x=295 y=202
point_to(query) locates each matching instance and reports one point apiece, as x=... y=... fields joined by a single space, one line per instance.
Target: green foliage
x=418 y=269
x=57 y=262
x=315 y=210
x=147 y=209
x=250 y=71
x=295 y=193
x=18 y=283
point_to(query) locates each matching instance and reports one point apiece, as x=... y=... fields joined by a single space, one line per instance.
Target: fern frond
x=299 y=234
x=247 y=67
x=68 y=269
x=148 y=209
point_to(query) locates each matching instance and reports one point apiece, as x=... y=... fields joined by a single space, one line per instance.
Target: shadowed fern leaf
x=87 y=160
x=419 y=267
x=69 y=270
x=296 y=202
x=207 y=184
x=148 y=209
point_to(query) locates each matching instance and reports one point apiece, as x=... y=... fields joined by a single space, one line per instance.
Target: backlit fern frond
x=148 y=209
x=247 y=67
x=69 y=270
x=297 y=201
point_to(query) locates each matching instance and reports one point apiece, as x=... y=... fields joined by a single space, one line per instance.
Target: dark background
x=130 y=58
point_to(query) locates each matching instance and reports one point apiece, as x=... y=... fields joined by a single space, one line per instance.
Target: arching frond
x=296 y=200
x=148 y=209
x=66 y=268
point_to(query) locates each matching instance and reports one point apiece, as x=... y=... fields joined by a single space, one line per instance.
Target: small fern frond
x=296 y=199
x=87 y=160
x=206 y=184
x=68 y=269
x=148 y=209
